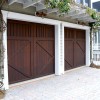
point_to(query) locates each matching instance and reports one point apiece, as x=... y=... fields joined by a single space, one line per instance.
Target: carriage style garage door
x=30 y=50
x=74 y=48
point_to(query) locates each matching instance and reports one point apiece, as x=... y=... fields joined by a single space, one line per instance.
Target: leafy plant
x=96 y=16
x=63 y=6
x=51 y=3
x=92 y=13
x=94 y=26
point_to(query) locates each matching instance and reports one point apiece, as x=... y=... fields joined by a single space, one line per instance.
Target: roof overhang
x=76 y=12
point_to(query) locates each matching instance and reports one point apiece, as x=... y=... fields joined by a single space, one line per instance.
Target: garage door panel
x=46 y=69
x=47 y=46
x=69 y=53
x=44 y=57
x=41 y=56
x=69 y=50
x=19 y=57
x=81 y=44
x=74 y=48
x=79 y=56
x=68 y=65
x=16 y=76
x=30 y=50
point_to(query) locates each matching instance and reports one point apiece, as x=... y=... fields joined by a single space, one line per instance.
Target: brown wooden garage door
x=74 y=48
x=30 y=50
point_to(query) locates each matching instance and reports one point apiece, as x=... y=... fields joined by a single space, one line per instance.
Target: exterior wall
x=59 y=40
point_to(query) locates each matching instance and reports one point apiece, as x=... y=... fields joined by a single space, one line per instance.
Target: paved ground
x=79 y=84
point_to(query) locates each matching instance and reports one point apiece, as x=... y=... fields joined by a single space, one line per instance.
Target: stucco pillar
x=5 y=81
x=88 y=47
x=1 y=58
x=59 y=50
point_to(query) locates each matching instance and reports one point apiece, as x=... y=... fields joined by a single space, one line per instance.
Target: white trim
x=62 y=48
x=59 y=55
x=87 y=47
x=5 y=81
x=57 y=47
x=71 y=25
x=29 y=18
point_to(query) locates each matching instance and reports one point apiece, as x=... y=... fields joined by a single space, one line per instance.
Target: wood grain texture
x=30 y=50
x=74 y=48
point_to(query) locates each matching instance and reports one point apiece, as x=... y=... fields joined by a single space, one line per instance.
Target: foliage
x=96 y=16
x=63 y=6
x=92 y=13
x=94 y=27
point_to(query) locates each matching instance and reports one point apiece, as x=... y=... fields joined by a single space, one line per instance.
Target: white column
x=59 y=50
x=97 y=33
x=83 y=2
x=88 y=47
x=62 y=57
x=5 y=81
x=91 y=4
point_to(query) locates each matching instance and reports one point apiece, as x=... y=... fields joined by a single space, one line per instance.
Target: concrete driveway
x=78 y=84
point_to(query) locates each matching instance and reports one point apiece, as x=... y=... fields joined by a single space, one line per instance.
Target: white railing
x=96 y=46
x=96 y=57
x=96 y=52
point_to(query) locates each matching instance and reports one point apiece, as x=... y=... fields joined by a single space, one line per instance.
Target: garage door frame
x=87 y=37
x=29 y=18
x=30 y=53
x=74 y=48
x=59 y=40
